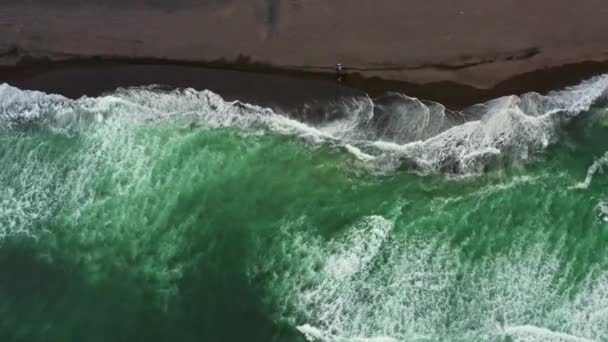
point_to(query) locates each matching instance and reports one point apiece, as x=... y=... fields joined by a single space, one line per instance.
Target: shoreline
x=266 y=85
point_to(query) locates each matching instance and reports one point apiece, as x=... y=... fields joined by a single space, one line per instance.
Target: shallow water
x=154 y=216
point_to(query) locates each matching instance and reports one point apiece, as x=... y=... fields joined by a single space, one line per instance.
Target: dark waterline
x=268 y=86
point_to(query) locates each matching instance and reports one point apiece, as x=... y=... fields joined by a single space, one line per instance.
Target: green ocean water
x=114 y=228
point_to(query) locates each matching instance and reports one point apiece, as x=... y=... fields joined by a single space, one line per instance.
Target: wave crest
x=386 y=134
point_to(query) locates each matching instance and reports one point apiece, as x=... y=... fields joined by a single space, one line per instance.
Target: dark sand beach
x=470 y=42
x=283 y=89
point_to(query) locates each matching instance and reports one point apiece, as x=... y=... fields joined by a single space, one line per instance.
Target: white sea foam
x=44 y=183
x=27 y=191
x=393 y=132
x=364 y=242
x=597 y=167
x=602 y=209
x=409 y=289
x=533 y=333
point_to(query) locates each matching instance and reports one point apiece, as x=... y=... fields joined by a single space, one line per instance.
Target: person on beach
x=339 y=72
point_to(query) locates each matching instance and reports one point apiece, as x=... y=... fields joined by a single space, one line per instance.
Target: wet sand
x=93 y=79
x=282 y=89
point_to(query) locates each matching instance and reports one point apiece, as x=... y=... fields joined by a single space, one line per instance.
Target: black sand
x=271 y=87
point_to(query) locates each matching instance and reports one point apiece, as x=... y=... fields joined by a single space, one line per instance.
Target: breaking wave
x=393 y=132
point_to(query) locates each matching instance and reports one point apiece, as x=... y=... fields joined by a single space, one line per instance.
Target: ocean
x=149 y=214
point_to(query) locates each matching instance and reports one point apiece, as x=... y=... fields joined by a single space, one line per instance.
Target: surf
x=391 y=133
x=322 y=226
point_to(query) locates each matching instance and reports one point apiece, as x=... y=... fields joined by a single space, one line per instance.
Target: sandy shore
x=470 y=42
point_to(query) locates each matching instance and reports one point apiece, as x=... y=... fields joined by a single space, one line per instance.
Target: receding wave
x=389 y=133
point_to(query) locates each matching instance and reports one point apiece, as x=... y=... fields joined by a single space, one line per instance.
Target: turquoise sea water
x=175 y=216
